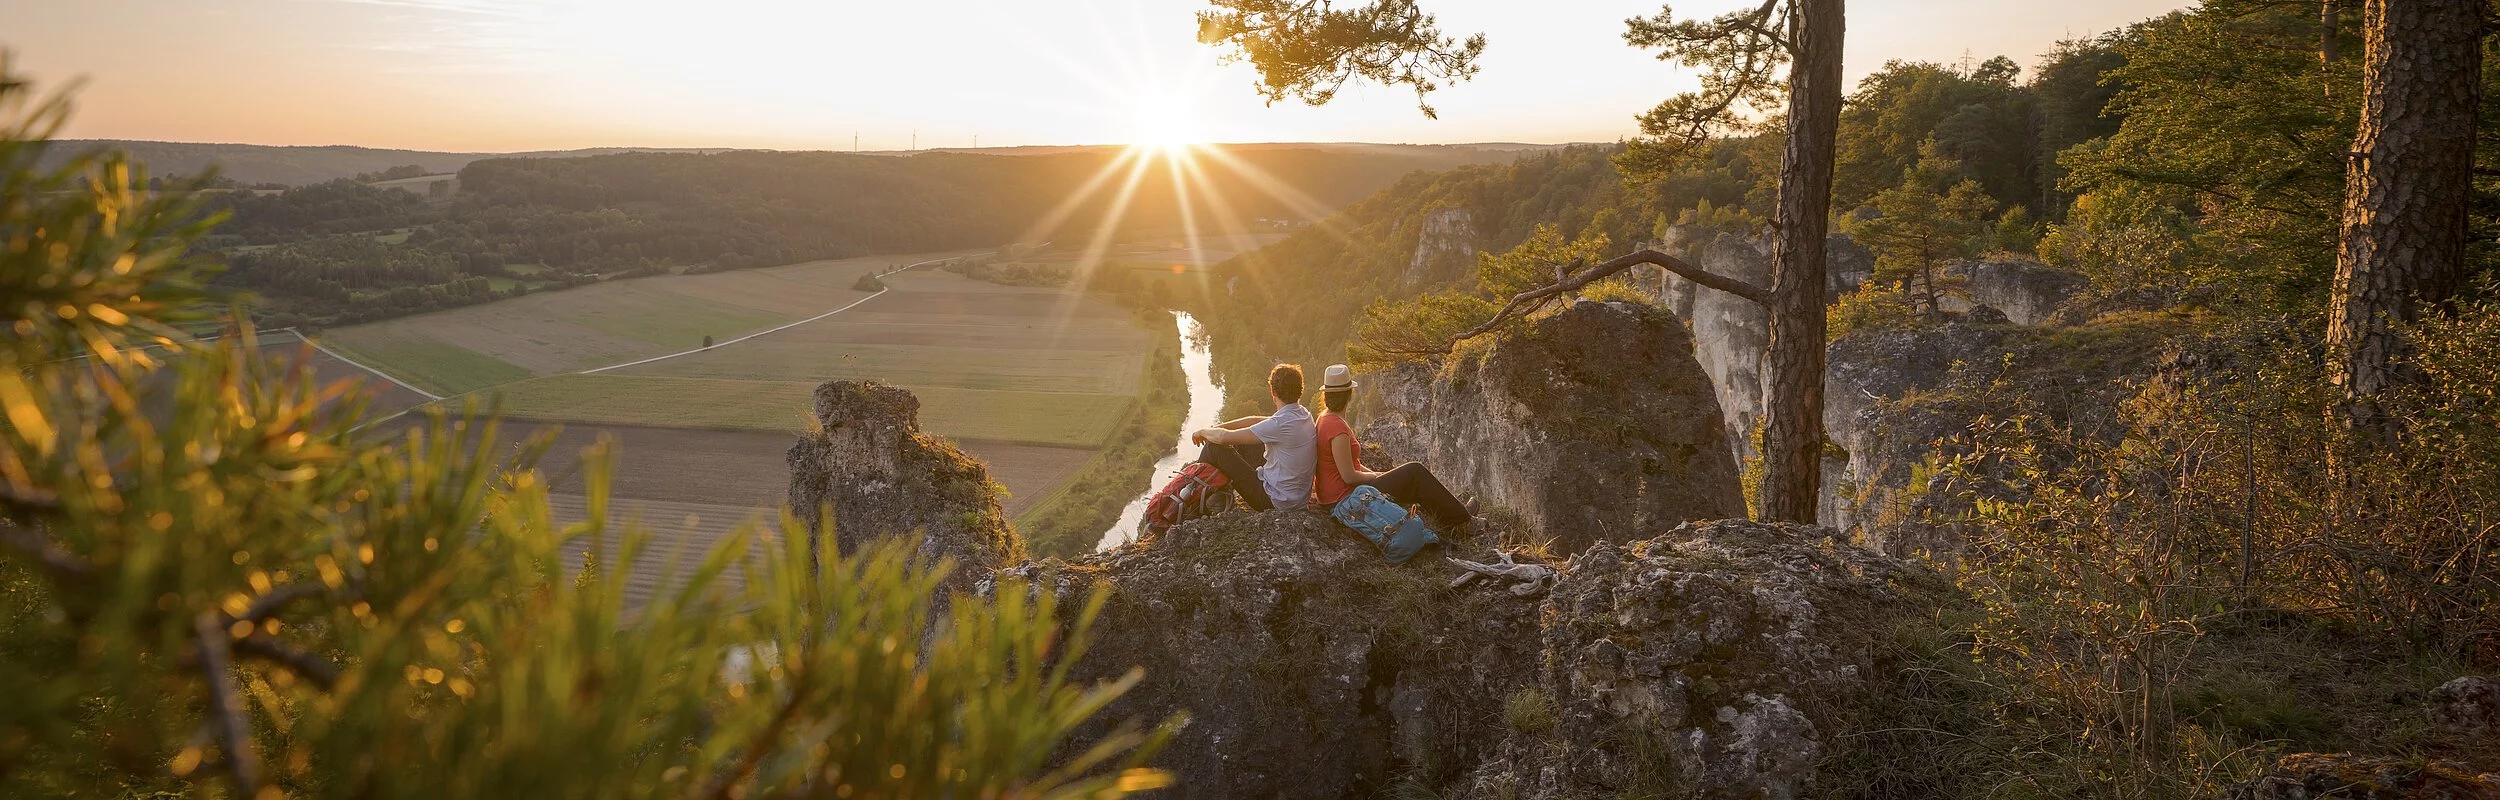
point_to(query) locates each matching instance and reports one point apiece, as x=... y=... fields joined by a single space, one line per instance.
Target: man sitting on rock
x=1271 y=456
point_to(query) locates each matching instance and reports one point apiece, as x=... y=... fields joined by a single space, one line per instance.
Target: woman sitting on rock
x=1341 y=464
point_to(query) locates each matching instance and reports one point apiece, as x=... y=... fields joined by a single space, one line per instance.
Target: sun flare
x=1164 y=125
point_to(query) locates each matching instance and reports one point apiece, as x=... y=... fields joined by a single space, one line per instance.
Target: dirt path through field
x=852 y=305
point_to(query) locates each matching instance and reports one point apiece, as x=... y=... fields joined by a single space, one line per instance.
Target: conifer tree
x=1923 y=227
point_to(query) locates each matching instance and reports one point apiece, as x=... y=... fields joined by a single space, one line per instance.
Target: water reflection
x=1205 y=402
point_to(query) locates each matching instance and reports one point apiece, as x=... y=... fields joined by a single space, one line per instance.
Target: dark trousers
x=1240 y=464
x=1412 y=485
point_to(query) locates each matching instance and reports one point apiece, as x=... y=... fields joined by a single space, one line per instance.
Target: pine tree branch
x=727 y=788
x=1529 y=300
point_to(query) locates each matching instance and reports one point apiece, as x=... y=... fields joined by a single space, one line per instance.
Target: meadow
x=1037 y=382
x=1040 y=418
x=612 y=322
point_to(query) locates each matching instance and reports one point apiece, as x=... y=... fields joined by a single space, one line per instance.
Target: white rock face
x=1444 y=250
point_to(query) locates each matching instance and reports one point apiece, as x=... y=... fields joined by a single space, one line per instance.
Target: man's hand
x=1222 y=436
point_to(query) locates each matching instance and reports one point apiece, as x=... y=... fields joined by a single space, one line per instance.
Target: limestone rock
x=1591 y=424
x=2466 y=712
x=1894 y=400
x=1717 y=660
x=1444 y=250
x=2025 y=290
x=1730 y=333
x=1725 y=653
x=882 y=477
x=1308 y=667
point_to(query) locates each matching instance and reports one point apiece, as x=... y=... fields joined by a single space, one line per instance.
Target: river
x=1206 y=400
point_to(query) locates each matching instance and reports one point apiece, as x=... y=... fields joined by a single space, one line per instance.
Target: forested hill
x=741 y=209
x=301 y=165
x=347 y=251
x=267 y=165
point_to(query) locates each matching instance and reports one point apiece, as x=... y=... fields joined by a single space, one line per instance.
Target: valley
x=1039 y=382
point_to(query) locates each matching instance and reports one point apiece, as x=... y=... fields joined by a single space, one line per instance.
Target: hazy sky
x=806 y=74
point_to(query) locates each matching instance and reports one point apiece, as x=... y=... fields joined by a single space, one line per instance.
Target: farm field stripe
x=854 y=304
x=361 y=365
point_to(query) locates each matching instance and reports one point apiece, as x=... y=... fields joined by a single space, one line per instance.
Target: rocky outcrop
x=1592 y=424
x=881 y=477
x=1307 y=666
x=1444 y=249
x=2344 y=776
x=1895 y=401
x=1886 y=441
x=1718 y=659
x=1730 y=333
x=2466 y=711
x=2027 y=292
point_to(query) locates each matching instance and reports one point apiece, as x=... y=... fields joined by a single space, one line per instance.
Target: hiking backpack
x=1398 y=532
x=1198 y=490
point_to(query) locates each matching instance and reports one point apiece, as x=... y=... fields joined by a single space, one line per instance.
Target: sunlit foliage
x=1923 y=227
x=1307 y=51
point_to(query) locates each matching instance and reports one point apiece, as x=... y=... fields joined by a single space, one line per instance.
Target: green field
x=1075 y=371
x=679 y=322
x=1041 y=418
x=436 y=366
x=1045 y=385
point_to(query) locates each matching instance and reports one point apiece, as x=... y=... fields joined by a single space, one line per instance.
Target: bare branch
x=305 y=665
x=1529 y=300
x=225 y=703
x=55 y=559
x=277 y=598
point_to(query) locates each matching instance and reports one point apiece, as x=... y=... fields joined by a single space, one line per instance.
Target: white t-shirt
x=1292 y=441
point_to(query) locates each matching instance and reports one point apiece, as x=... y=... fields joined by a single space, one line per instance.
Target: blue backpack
x=1396 y=531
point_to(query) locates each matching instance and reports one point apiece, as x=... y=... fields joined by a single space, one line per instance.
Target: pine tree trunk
x=1792 y=432
x=2405 y=194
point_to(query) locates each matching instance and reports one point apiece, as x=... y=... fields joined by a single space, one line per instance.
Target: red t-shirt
x=1332 y=486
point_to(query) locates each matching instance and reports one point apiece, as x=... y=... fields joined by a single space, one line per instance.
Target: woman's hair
x=1334 y=401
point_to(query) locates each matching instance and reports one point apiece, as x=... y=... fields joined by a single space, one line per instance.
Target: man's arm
x=1228 y=432
x=1224 y=436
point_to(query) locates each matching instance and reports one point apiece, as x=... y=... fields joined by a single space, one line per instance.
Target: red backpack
x=1199 y=490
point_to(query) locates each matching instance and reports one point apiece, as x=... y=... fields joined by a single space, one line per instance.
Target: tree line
x=345 y=251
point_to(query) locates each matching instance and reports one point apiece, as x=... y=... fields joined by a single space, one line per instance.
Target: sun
x=1164 y=125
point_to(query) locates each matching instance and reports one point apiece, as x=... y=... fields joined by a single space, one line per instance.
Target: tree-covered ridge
x=520 y=224
x=1301 y=299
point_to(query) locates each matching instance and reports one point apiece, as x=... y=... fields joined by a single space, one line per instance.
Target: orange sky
x=502 y=75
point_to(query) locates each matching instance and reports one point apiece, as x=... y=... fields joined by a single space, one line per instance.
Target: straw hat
x=1338 y=377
